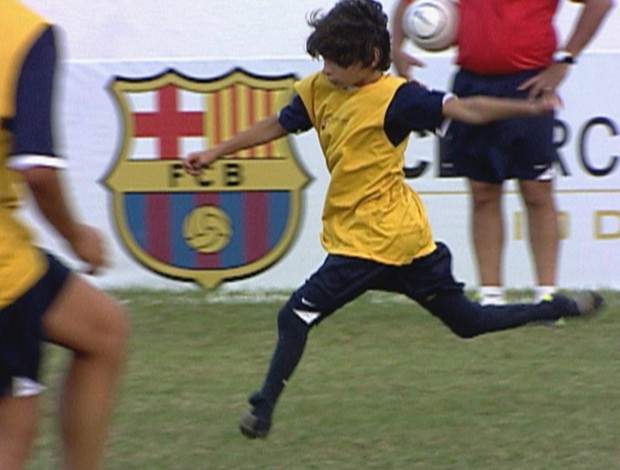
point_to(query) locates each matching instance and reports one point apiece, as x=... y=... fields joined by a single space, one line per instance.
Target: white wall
x=129 y=29
x=207 y=38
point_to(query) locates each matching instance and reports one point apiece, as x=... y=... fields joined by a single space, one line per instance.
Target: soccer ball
x=431 y=24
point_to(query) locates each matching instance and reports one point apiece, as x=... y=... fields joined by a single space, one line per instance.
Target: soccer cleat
x=256 y=423
x=587 y=303
x=252 y=427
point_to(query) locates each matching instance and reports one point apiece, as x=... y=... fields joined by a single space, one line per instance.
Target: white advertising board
x=93 y=133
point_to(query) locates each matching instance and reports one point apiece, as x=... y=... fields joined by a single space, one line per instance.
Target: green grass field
x=382 y=385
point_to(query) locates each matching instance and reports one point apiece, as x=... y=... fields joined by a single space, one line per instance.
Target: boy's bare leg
x=92 y=325
x=18 y=425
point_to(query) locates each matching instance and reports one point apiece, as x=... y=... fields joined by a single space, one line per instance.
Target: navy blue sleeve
x=294 y=117
x=413 y=109
x=32 y=126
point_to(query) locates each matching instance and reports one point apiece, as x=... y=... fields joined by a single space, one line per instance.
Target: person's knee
x=289 y=322
x=465 y=330
x=115 y=333
x=87 y=321
x=485 y=194
x=537 y=194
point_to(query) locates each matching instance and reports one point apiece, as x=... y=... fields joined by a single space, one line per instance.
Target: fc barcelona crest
x=235 y=219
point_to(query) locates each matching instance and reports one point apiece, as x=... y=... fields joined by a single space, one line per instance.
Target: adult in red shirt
x=509 y=49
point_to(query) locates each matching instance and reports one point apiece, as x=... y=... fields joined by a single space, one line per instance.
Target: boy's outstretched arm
x=262 y=132
x=484 y=109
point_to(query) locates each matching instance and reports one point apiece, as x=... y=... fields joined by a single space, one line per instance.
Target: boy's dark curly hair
x=351 y=32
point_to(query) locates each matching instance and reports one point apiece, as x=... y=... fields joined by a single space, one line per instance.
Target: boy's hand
x=88 y=245
x=195 y=161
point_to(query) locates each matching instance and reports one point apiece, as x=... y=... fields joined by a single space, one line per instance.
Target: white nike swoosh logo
x=306 y=316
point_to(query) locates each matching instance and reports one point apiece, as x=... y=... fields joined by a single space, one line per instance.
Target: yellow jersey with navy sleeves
x=370 y=212
x=25 y=136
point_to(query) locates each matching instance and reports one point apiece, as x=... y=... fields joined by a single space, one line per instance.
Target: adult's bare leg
x=487 y=228
x=543 y=229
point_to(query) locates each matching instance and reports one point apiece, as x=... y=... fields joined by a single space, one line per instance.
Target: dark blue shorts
x=20 y=330
x=516 y=148
x=341 y=279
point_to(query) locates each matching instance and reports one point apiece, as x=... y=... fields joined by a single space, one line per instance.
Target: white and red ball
x=431 y=24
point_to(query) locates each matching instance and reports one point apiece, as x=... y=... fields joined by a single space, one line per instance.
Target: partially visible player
x=40 y=299
x=509 y=49
x=375 y=229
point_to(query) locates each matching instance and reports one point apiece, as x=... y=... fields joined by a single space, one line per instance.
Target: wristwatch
x=563 y=57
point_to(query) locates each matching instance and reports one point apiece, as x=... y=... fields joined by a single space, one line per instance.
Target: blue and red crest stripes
x=259 y=218
x=236 y=219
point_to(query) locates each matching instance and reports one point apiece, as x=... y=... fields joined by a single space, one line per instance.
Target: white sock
x=491 y=295
x=543 y=293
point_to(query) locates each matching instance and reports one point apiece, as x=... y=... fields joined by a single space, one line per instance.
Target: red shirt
x=506 y=36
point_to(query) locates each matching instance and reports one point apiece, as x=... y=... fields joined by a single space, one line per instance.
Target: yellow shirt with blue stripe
x=25 y=132
x=370 y=211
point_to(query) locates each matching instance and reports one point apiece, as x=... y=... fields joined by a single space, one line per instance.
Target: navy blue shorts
x=20 y=331
x=342 y=279
x=516 y=148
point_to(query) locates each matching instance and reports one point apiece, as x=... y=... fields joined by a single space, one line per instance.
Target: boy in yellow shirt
x=375 y=229
x=41 y=300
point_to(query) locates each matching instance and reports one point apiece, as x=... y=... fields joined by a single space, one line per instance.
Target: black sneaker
x=587 y=303
x=252 y=427
x=256 y=423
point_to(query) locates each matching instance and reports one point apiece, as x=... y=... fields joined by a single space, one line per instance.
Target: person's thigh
x=20 y=333
x=531 y=152
x=427 y=277
x=338 y=281
x=84 y=319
